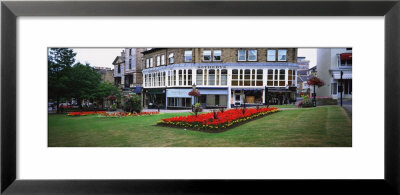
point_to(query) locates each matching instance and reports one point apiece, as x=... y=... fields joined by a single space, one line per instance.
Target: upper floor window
x=158 y=60
x=171 y=58
x=271 y=55
x=119 y=68
x=282 y=55
x=346 y=59
x=207 y=55
x=217 y=55
x=147 y=63
x=151 y=62
x=188 y=56
x=252 y=55
x=241 y=55
x=162 y=59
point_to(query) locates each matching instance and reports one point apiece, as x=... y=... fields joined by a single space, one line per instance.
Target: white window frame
x=280 y=55
x=187 y=55
x=147 y=62
x=220 y=55
x=273 y=50
x=171 y=56
x=162 y=59
x=151 y=62
x=245 y=56
x=158 y=60
x=249 y=54
x=204 y=54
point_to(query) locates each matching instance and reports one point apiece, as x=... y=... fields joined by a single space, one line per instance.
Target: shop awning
x=137 y=90
x=155 y=91
x=346 y=56
x=345 y=75
x=247 y=89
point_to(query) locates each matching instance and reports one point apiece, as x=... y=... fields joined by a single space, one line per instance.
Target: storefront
x=154 y=98
x=250 y=96
x=279 y=96
x=213 y=97
x=179 y=98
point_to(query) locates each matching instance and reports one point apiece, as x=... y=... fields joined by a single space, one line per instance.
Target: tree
x=105 y=89
x=83 y=82
x=59 y=61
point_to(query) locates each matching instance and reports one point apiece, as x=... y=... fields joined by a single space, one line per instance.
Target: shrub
x=133 y=103
x=326 y=101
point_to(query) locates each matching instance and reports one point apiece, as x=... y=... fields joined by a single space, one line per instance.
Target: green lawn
x=321 y=126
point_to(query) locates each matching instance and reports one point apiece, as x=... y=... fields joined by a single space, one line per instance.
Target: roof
x=152 y=50
x=303 y=78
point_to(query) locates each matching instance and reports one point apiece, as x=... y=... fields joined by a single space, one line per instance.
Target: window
x=334 y=88
x=206 y=55
x=188 y=56
x=290 y=77
x=151 y=62
x=271 y=55
x=259 y=81
x=270 y=78
x=276 y=77
x=205 y=78
x=211 y=77
x=158 y=60
x=199 y=77
x=247 y=77
x=119 y=68
x=171 y=58
x=241 y=55
x=281 y=77
x=217 y=55
x=235 y=77
x=347 y=86
x=189 y=77
x=282 y=55
x=252 y=55
x=180 y=77
x=147 y=63
x=162 y=59
x=224 y=77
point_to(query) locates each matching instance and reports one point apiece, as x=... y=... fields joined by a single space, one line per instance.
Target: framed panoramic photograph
x=199 y=97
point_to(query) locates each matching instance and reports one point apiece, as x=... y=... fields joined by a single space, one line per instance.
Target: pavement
x=347 y=106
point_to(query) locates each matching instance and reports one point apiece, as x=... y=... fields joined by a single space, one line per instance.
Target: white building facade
x=226 y=77
x=334 y=67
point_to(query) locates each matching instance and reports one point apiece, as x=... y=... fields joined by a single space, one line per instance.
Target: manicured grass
x=284 y=106
x=321 y=126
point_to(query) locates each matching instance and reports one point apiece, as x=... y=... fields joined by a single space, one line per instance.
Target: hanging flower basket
x=315 y=81
x=195 y=93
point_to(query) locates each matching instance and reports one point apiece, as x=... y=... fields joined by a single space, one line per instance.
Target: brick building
x=225 y=77
x=128 y=70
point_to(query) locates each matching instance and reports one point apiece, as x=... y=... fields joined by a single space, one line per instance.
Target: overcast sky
x=103 y=57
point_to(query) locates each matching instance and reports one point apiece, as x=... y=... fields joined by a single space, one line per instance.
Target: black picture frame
x=10 y=10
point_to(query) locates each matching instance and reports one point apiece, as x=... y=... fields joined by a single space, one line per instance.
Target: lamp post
x=194 y=97
x=314 y=94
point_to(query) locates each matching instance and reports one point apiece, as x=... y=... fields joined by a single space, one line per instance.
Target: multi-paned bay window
x=188 y=56
x=270 y=78
x=199 y=77
x=292 y=78
x=281 y=77
x=247 y=77
x=211 y=77
x=224 y=77
x=189 y=77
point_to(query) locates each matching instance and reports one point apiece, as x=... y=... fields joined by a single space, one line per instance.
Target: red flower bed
x=222 y=120
x=85 y=113
x=124 y=114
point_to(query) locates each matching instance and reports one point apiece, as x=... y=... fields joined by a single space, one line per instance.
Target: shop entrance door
x=238 y=99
